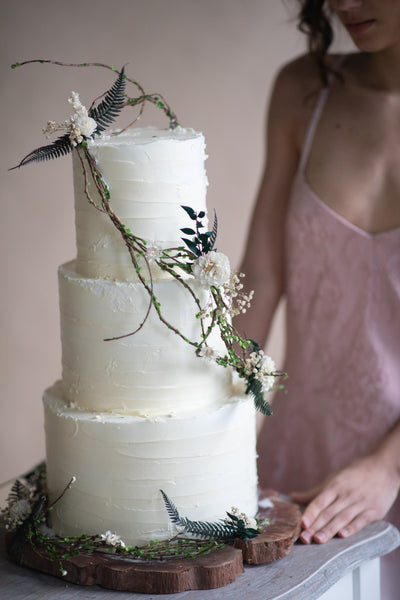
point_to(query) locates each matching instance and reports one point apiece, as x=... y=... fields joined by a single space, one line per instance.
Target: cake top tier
x=151 y=173
x=144 y=135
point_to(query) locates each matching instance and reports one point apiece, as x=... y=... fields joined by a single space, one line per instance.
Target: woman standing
x=326 y=235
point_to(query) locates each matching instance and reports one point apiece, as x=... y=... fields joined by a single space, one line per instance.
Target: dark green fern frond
x=254 y=387
x=17 y=491
x=222 y=530
x=60 y=147
x=171 y=508
x=110 y=107
x=213 y=235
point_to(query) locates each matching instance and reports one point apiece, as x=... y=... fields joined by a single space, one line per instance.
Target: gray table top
x=304 y=574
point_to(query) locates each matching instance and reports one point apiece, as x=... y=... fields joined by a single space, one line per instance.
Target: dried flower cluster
x=233 y=300
x=261 y=367
x=238 y=300
x=79 y=125
x=247 y=521
x=22 y=498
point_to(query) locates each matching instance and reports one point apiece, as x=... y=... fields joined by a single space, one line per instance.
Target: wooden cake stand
x=215 y=569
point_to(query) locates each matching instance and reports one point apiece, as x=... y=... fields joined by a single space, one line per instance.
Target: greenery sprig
x=201 y=242
x=234 y=527
x=138 y=101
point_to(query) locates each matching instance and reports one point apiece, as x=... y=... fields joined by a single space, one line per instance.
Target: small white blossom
x=51 y=127
x=153 y=252
x=212 y=268
x=208 y=353
x=18 y=511
x=249 y=522
x=112 y=539
x=262 y=367
x=236 y=301
x=79 y=125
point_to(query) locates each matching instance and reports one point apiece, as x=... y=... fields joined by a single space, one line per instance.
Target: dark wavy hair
x=315 y=21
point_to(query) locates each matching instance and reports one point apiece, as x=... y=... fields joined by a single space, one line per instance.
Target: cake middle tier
x=154 y=371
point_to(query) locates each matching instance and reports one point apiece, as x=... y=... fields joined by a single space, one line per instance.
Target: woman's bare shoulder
x=295 y=93
x=299 y=79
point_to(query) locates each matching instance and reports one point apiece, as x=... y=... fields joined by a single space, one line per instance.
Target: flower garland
x=197 y=258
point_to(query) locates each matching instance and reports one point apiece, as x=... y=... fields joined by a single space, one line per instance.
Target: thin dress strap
x=319 y=107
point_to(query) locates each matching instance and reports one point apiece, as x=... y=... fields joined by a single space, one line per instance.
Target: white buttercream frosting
x=151 y=173
x=203 y=461
x=153 y=371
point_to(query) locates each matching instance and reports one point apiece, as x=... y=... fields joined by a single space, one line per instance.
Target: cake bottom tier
x=204 y=462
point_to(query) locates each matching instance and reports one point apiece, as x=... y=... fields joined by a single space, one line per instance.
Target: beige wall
x=214 y=61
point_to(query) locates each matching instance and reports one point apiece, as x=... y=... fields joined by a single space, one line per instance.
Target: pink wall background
x=214 y=61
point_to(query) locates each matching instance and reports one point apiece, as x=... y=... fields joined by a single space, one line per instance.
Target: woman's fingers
x=325 y=529
x=357 y=524
x=320 y=504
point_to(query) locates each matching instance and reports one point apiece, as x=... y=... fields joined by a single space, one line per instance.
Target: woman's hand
x=344 y=503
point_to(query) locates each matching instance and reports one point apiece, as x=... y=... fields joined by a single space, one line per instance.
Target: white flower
x=18 y=511
x=212 y=268
x=208 y=353
x=263 y=368
x=75 y=102
x=79 y=125
x=112 y=539
x=249 y=522
x=51 y=127
x=236 y=300
x=153 y=252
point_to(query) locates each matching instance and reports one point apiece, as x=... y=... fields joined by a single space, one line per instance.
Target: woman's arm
x=263 y=262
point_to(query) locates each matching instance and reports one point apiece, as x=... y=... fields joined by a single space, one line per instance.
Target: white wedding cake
x=141 y=413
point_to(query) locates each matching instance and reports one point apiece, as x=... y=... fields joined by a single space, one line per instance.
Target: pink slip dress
x=342 y=395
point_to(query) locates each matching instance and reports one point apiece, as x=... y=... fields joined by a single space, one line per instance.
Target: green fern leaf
x=222 y=530
x=112 y=104
x=171 y=508
x=213 y=235
x=254 y=387
x=17 y=491
x=60 y=147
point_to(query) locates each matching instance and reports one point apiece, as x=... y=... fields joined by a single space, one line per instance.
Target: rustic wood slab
x=278 y=536
x=216 y=569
